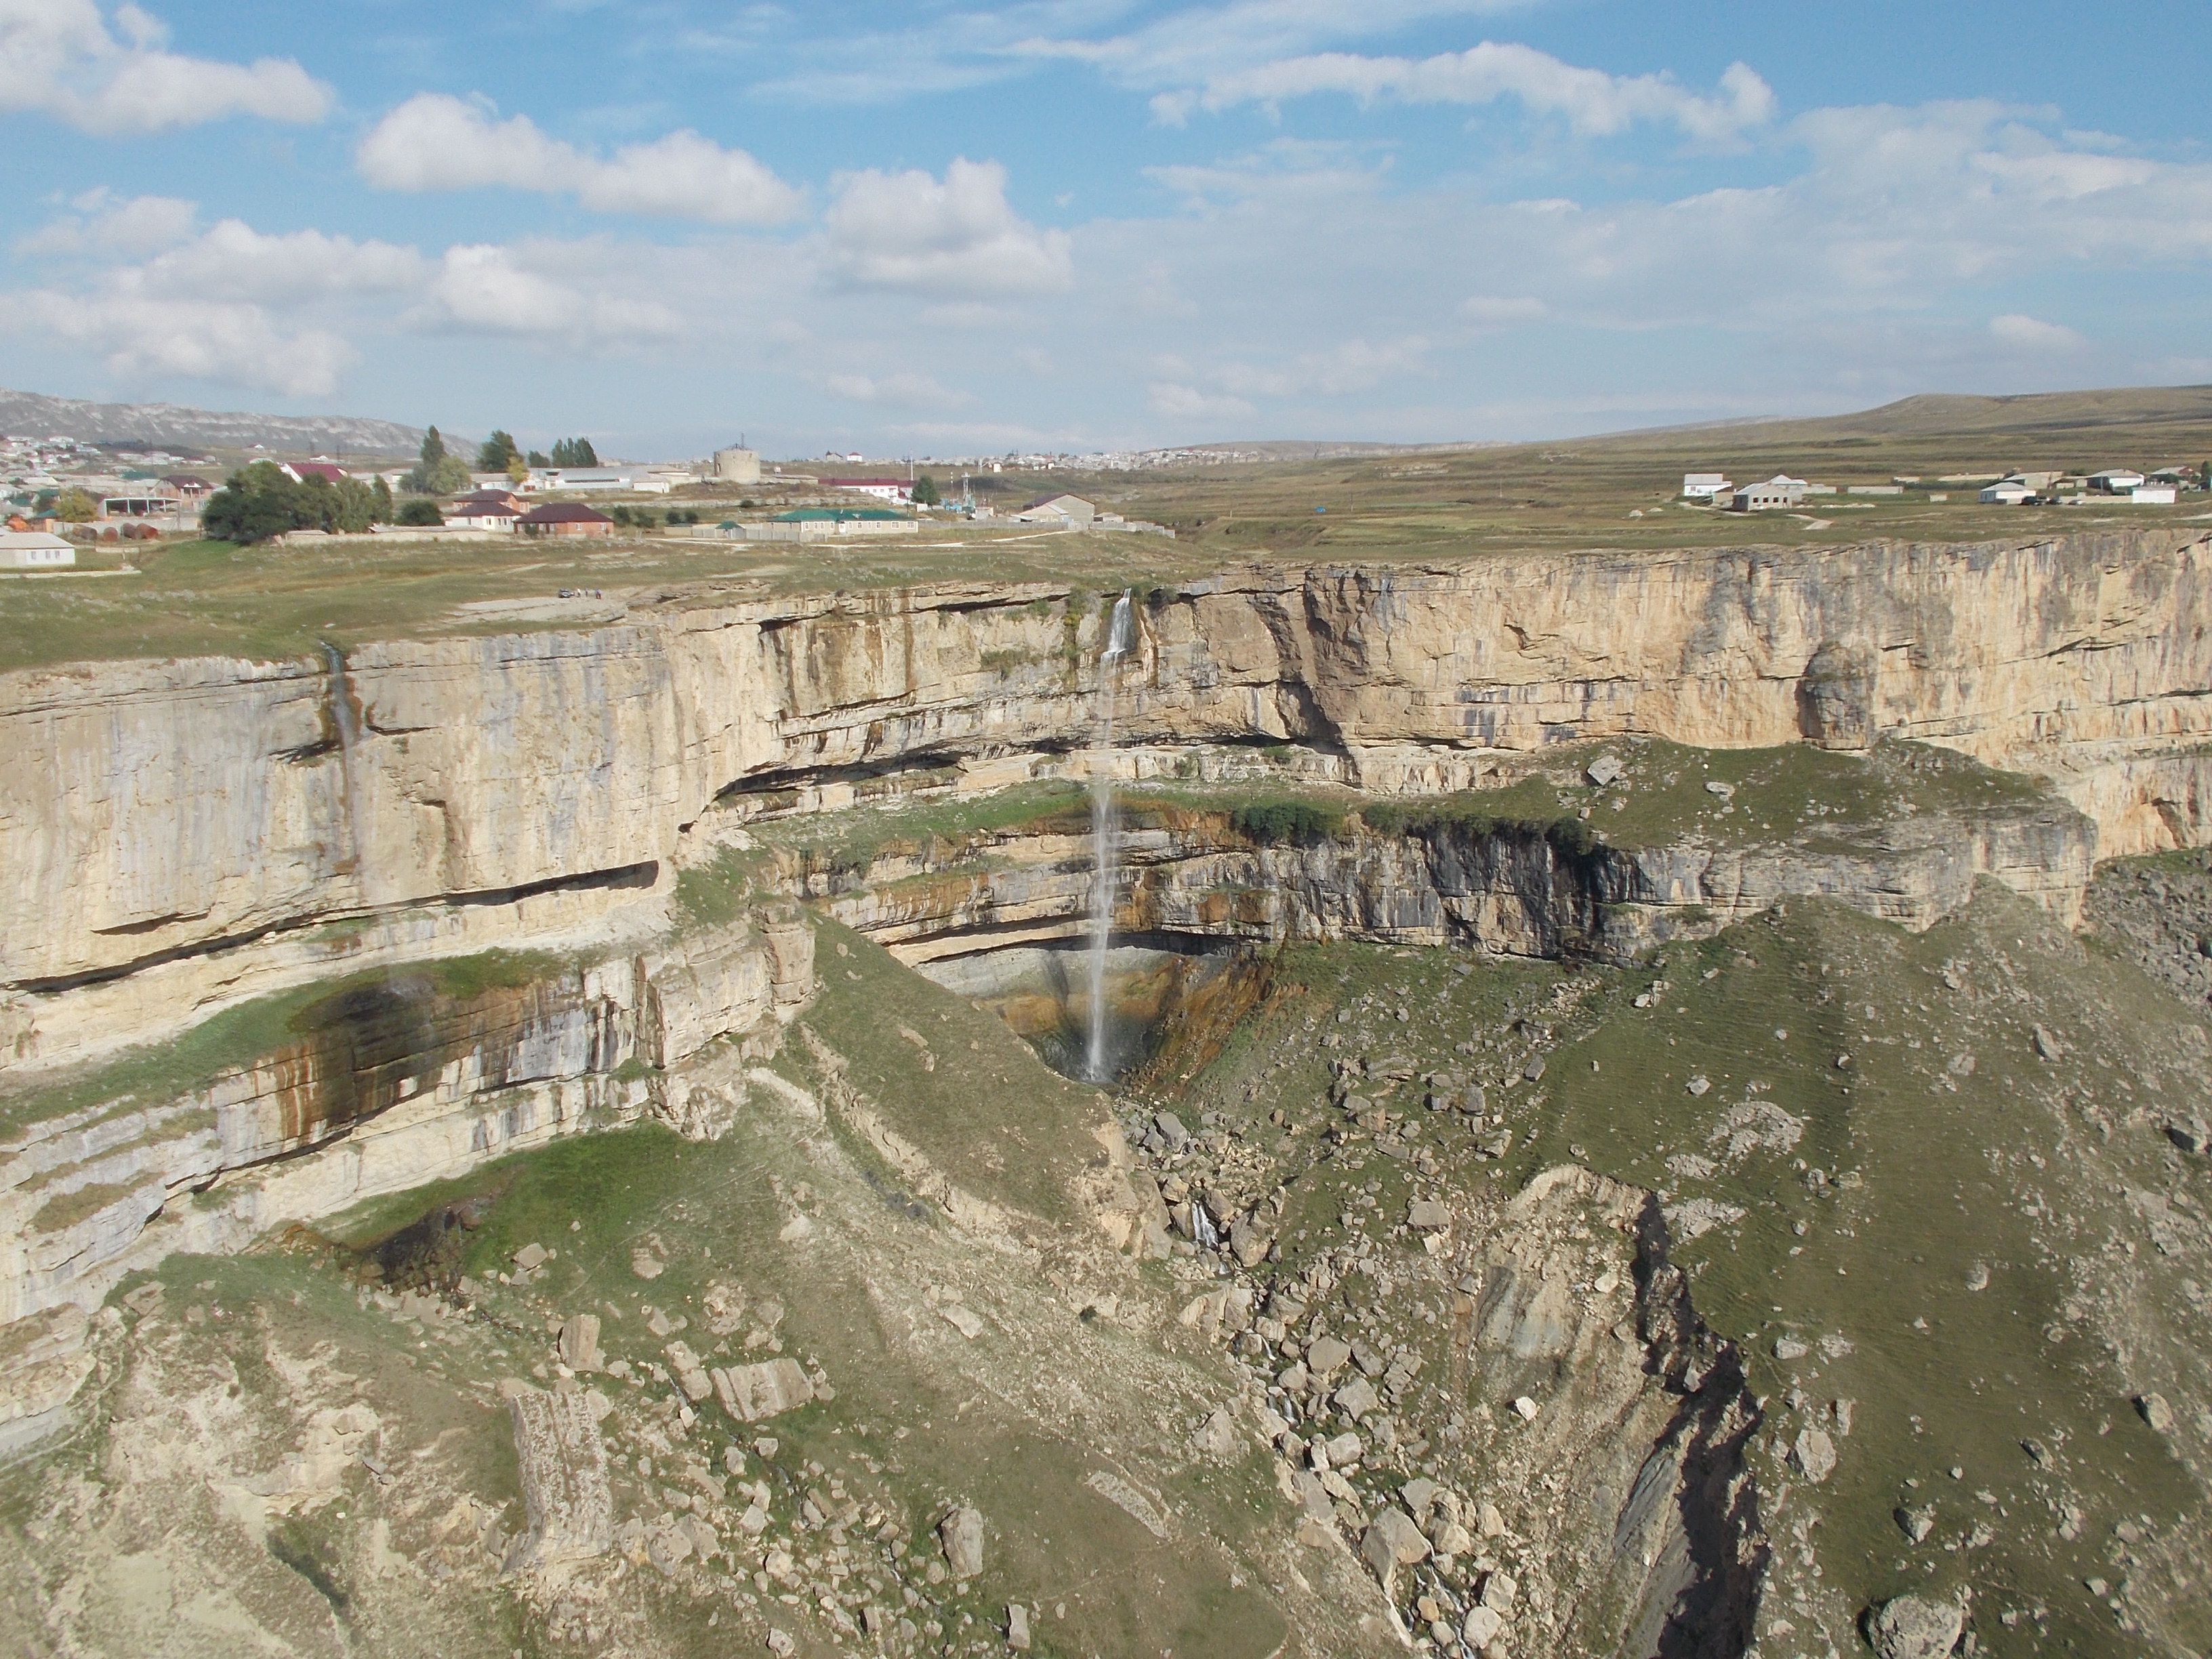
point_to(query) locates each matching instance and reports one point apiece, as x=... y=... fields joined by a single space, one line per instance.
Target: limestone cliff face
x=149 y=811
x=388 y=1082
x=1509 y=889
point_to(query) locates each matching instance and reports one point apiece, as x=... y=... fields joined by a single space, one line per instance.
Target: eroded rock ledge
x=157 y=811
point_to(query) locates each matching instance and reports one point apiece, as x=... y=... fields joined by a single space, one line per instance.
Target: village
x=62 y=493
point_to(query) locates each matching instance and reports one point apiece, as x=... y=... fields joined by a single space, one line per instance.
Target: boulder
x=1815 y=1454
x=960 y=1534
x=1326 y=1355
x=1356 y=1398
x=567 y=1506
x=2156 y=1411
x=1909 y=1627
x=1391 y=1542
x=580 y=1342
x=1427 y=1215
x=749 y=1392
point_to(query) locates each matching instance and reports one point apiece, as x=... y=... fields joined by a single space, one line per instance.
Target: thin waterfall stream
x=347 y=720
x=1121 y=637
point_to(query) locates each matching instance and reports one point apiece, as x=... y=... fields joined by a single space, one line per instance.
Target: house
x=565 y=519
x=475 y=514
x=2154 y=495
x=189 y=486
x=2114 y=481
x=138 y=506
x=490 y=497
x=33 y=550
x=1071 y=511
x=1780 y=490
x=301 y=471
x=2008 y=492
x=1703 y=486
x=897 y=491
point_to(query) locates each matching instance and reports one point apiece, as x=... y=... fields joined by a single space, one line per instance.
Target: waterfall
x=348 y=722
x=1120 y=635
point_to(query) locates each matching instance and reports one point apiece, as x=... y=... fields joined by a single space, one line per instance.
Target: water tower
x=737 y=466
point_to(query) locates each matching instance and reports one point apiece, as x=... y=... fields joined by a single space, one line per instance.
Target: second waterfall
x=1121 y=638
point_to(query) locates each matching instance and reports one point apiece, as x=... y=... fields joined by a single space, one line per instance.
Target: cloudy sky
x=1087 y=223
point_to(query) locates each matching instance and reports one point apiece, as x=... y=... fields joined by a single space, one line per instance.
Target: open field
x=1429 y=506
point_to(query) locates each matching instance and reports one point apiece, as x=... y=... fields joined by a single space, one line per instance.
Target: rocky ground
x=1812 y=1286
x=2157 y=912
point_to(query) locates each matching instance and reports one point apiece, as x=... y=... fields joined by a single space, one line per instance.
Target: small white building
x=1780 y=490
x=897 y=491
x=34 y=549
x=482 y=515
x=1703 y=486
x=1072 y=511
x=2006 y=492
x=2114 y=481
x=2154 y=495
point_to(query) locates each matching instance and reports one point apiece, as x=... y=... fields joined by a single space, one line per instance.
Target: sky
x=1087 y=224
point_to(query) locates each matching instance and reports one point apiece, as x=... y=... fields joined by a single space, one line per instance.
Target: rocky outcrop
x=1525 y=889
x=153 y=813
x=385 y=1082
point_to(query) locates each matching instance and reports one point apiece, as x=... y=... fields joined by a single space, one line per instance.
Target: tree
x=537 y=457
x=436 y=472
x=517 y=470
x=497 y=452
x=380 y=501
x=924 y=491
x=575 y=452
x=420 y=510
x=75 y=506
x=255 y=503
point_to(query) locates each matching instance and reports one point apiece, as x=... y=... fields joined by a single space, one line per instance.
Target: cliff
x=225 y=824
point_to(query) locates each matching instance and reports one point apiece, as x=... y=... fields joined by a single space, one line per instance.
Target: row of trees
x=258 y=502
x=438 y=471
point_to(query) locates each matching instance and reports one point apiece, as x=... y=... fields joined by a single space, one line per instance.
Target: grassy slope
x=994 y=1425
x=2008 y=1164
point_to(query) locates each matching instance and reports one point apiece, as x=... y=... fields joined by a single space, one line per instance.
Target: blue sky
x=1081 y=224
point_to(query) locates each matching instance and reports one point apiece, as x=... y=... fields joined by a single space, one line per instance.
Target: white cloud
x=484 y=288
x=1194 y=43
x=902 y=391
x=234 y=261
x=60 y=58
x=1178 y=402
x=1593 y=102
x=2030 y=333
x=1495 y=311
x=101 y=223
x=144 y=335
x=955 y=240
x=436 y=141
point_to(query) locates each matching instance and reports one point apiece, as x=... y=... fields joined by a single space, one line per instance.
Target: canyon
x=284 y=941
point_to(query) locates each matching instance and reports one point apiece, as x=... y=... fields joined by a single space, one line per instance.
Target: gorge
x=281 y=939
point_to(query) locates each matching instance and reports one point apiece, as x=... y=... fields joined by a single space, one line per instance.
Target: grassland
x=1615 y=494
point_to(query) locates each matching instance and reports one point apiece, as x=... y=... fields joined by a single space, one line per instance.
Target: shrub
x=1293 y=823
x=421 y=511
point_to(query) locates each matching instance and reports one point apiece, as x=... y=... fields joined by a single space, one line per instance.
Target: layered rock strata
x=390 y=1081
x=152 y=813
x=1522 y=889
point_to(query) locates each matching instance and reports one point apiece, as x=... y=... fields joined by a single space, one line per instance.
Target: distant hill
x=2144 y=413
x=30 y=414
